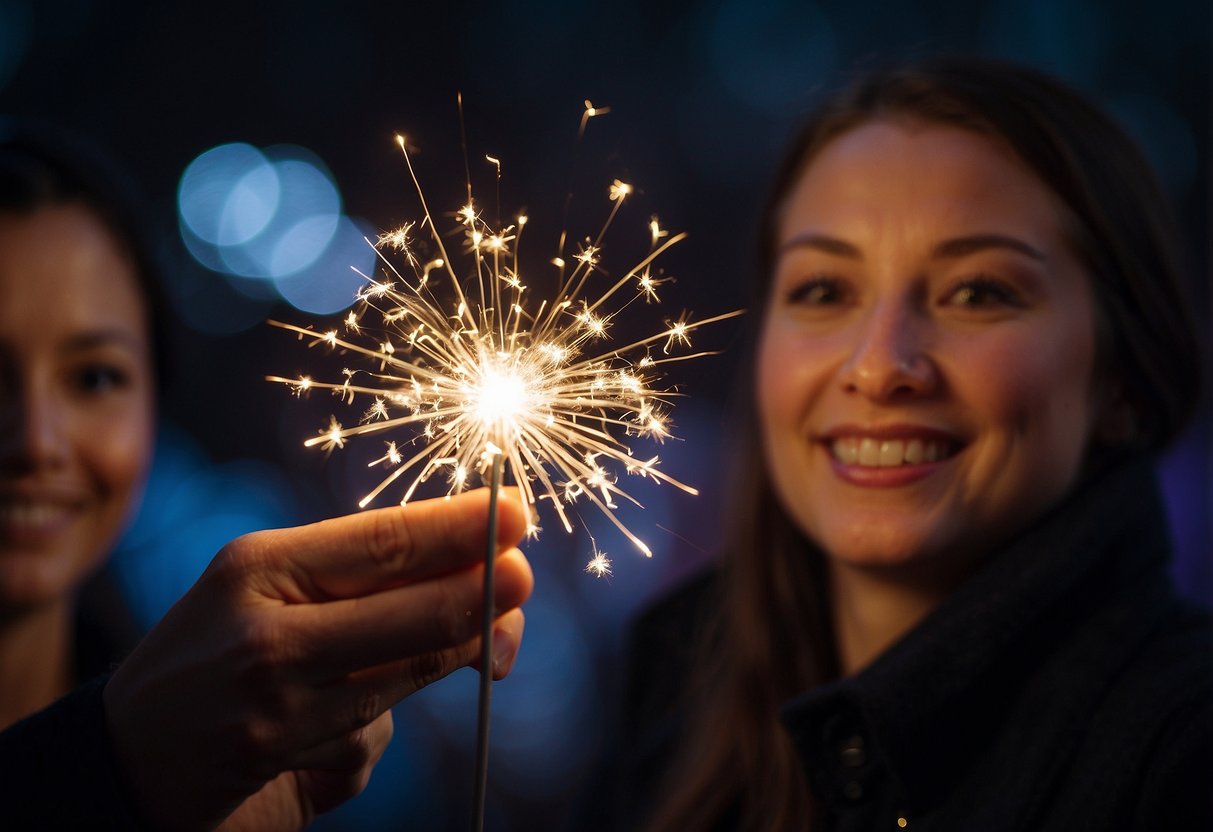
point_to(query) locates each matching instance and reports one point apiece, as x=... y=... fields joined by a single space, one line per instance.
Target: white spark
x=599 y=565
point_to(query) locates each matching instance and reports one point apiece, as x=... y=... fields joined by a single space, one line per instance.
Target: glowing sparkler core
x=480 y=375
x=501 y=400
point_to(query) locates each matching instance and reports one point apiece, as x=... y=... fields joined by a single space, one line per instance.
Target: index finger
x=358 y=554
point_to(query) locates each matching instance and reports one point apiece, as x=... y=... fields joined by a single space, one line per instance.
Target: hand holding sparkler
x=266 y=689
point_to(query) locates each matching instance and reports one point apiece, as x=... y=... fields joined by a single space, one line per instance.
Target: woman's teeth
x=887 y=453
x=35 y=515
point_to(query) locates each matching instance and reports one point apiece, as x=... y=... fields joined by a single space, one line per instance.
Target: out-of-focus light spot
x=271 y=222
x=302 y=243
x=308 y=198
x=207 y=254
x=328 y=285
x=249 y=206
x=228 y=194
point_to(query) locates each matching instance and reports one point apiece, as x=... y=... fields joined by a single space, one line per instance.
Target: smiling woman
x=79 y=388
x=945 y=602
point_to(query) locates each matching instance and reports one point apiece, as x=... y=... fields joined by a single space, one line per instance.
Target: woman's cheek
x=122 y=454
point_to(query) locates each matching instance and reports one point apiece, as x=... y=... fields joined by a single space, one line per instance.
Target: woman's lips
x=888 y=456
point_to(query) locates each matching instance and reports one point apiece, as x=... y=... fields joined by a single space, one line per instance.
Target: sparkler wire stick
x=486 y=652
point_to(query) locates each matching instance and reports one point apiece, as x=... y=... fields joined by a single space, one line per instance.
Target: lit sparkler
x=474 y=371
x=481 y=381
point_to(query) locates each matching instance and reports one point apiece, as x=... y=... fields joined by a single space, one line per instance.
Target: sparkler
x=470 y=376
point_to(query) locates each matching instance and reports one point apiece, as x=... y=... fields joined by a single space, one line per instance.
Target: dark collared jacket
x=1065 y=686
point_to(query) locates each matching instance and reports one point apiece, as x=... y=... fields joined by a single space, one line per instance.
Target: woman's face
x=76 y=400
x=925 y=372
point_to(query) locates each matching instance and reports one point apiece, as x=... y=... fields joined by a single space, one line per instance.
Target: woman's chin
x=31 y=581
x=886 y=548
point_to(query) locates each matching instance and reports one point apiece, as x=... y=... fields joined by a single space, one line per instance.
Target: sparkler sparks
x=599 y=565
x=473 y=369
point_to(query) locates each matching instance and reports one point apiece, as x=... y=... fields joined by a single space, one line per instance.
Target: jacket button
x=852 y=754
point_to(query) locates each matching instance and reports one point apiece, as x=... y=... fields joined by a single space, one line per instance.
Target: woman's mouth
x=25 y=519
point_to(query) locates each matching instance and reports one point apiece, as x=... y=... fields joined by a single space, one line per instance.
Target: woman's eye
x=983 y=293
x=820 y=291
x=99 y=378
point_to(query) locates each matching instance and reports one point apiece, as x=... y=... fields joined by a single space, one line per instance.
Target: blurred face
x=926 y=361
x=75 y=400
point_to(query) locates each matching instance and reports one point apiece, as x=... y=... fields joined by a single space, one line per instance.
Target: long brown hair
x=772 y=637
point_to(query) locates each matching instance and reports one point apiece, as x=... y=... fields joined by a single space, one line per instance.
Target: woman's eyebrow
x=824 y=243
x=104 y=338
x=956 y=247
x=963 y=246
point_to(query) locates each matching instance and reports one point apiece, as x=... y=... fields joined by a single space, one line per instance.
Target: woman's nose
x=33 y=433
x=888 y=358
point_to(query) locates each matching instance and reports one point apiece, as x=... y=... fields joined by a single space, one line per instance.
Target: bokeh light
x=228 y=194
x=329 y=283
x=270 y=222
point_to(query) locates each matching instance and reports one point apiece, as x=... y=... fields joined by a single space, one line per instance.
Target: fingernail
x=503 y=654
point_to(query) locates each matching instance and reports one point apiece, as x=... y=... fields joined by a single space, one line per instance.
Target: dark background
x=702 y=96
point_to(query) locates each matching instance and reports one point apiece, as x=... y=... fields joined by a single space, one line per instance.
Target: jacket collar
x=918 y=713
